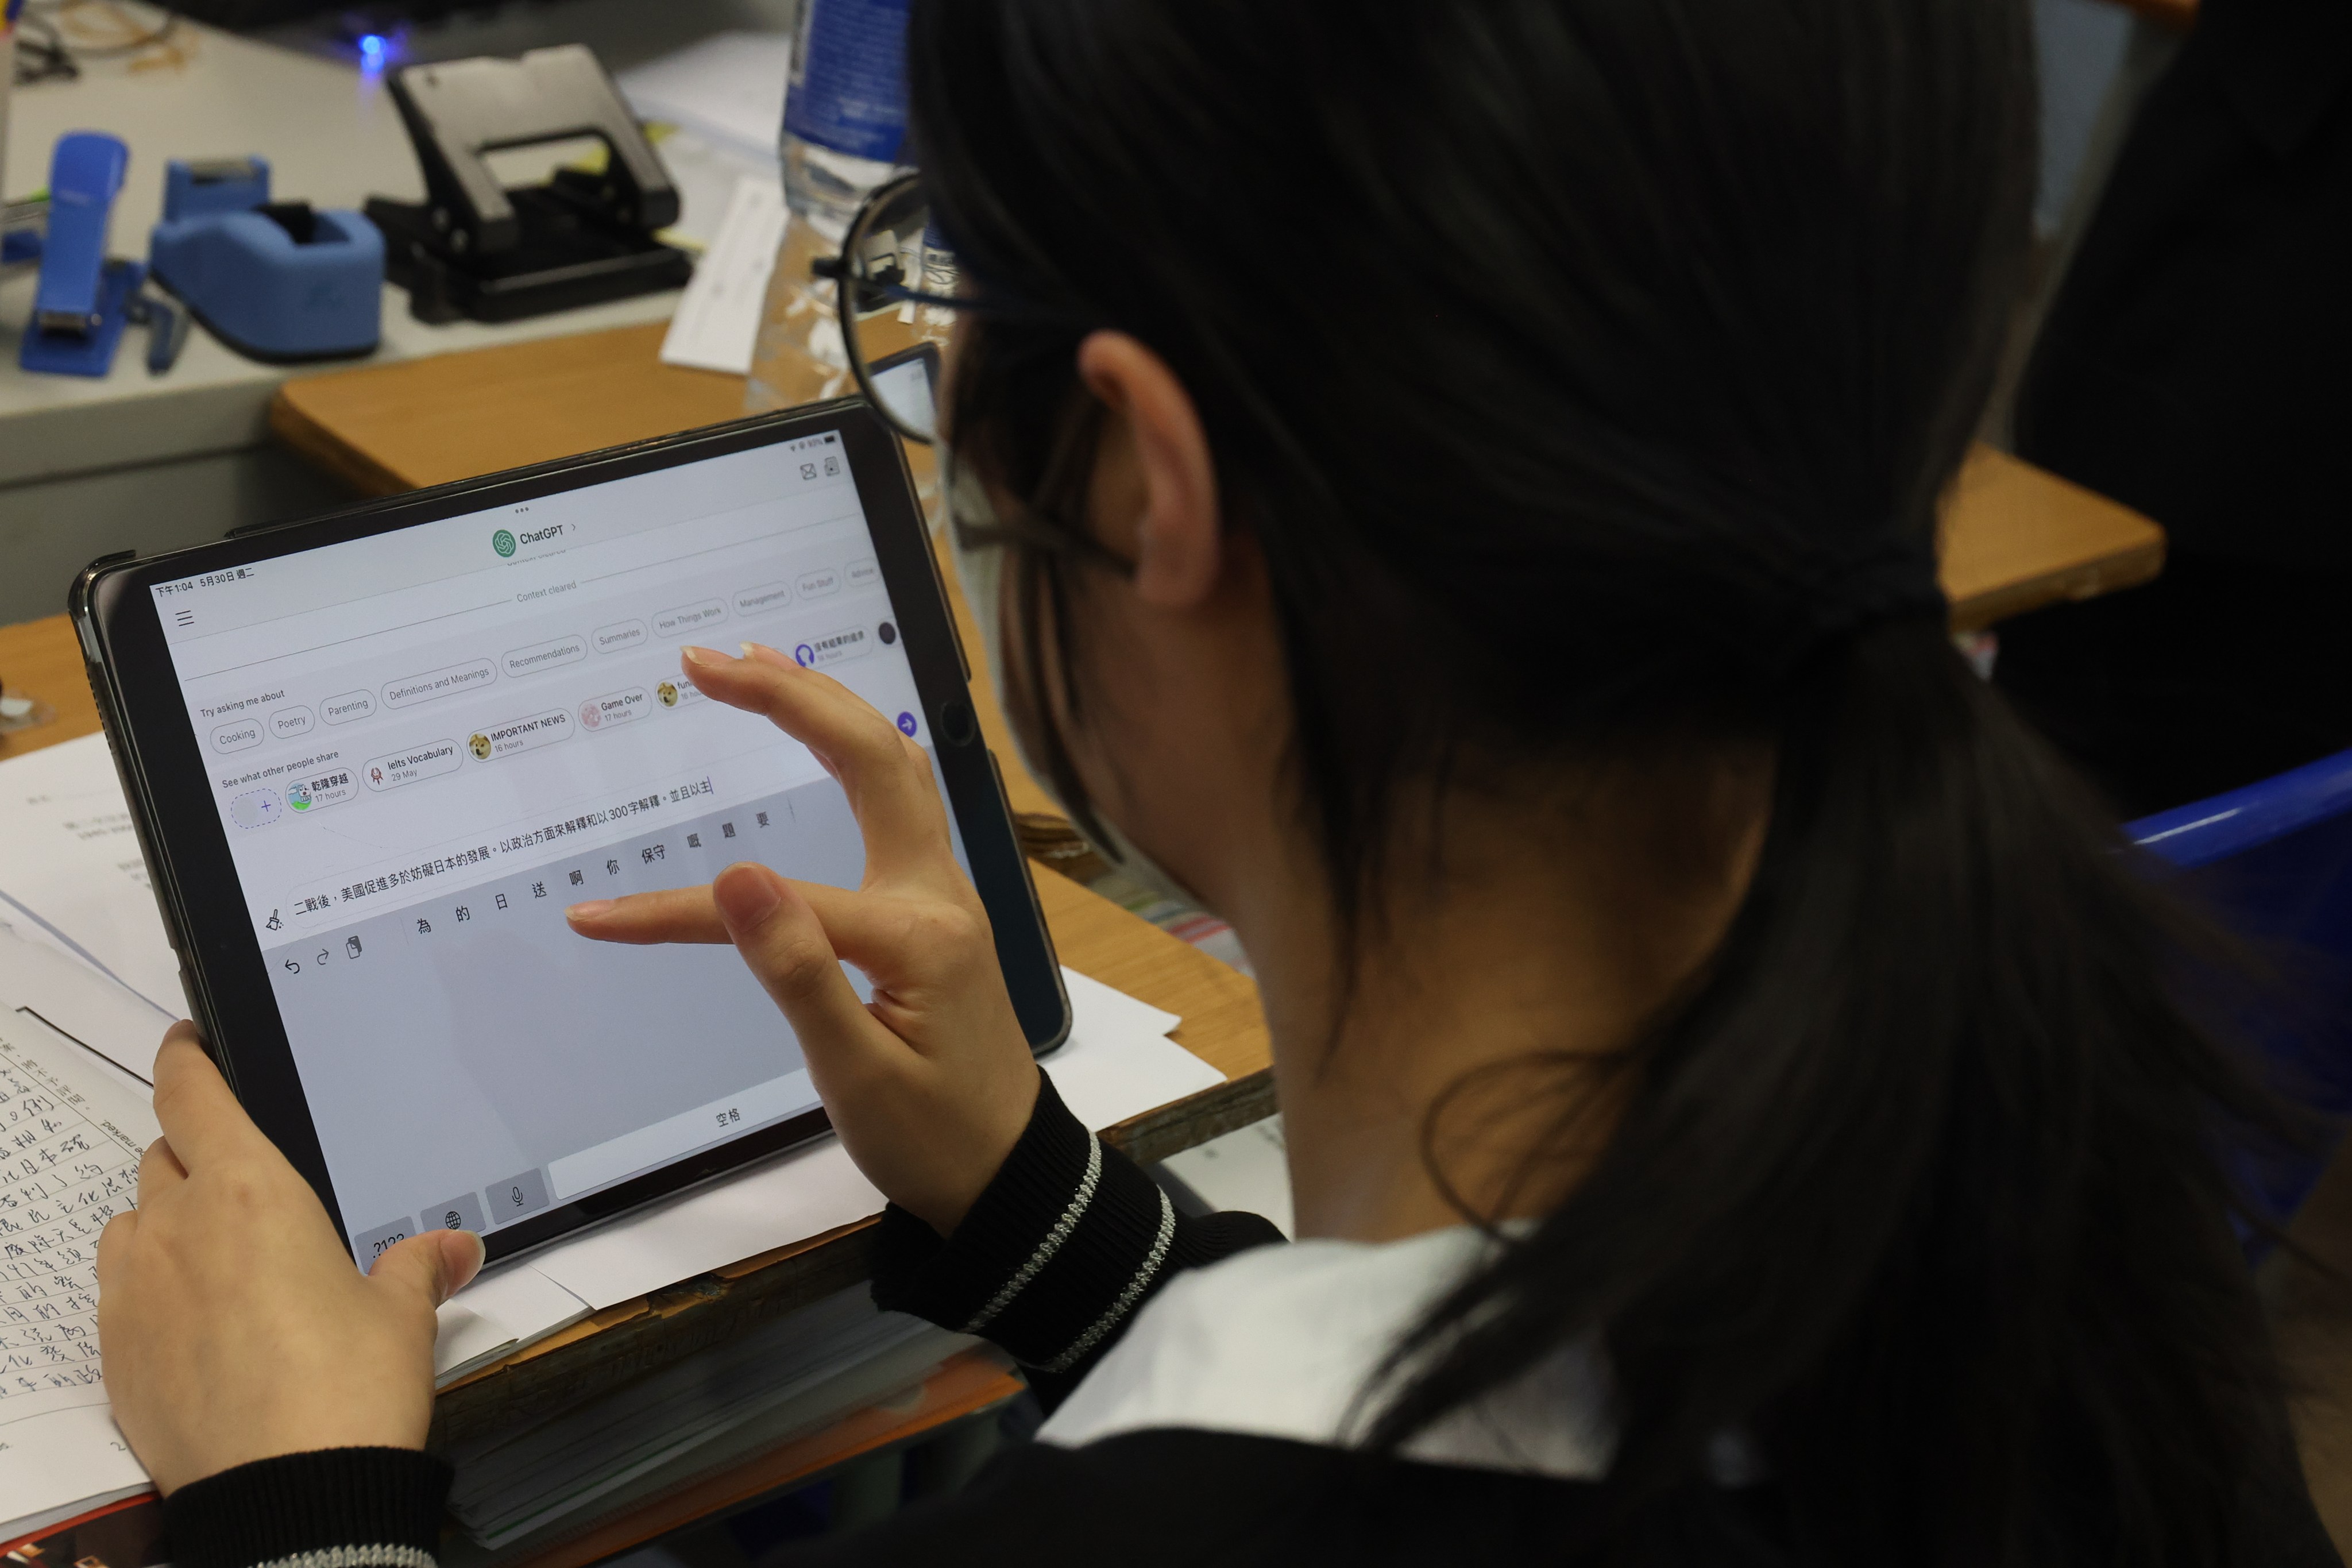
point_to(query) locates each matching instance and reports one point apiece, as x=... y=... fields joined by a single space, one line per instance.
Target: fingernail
x=481 y=1256
x=693 y=654
x=745 y=895
x=589 y=911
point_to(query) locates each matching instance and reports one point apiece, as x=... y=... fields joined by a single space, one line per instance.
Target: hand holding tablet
x=235 y=1327
x=373 y=757
x=930 y=1084
x=235 y=1324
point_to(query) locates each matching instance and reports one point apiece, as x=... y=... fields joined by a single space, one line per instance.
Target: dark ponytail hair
x=1592 y=370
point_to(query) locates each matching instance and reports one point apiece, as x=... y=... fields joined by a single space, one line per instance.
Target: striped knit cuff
x=1066 y=1243
x=333 y=1508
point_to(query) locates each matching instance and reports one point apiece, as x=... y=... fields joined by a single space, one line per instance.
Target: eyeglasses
x=896 y=302
x=896 y=293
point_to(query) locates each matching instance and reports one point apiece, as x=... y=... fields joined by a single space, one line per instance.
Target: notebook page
x=71 y=1139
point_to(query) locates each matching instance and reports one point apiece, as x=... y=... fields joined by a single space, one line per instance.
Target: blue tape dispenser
x=274 y=281
x=82 y=298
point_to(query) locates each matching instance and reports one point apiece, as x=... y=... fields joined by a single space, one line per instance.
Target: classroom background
x=263 y=258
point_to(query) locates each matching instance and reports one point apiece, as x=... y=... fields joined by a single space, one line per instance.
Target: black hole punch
x=888 y=632
x=956 y=725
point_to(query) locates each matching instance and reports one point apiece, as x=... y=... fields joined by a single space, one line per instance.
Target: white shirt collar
x=1279 y=1342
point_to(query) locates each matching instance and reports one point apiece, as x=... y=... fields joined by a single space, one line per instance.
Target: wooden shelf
x=2015 y=537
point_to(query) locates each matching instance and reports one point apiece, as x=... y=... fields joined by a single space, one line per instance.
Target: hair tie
x=1890 y=581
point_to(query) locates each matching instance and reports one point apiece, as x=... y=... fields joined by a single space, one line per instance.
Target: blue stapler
x=82 y=300
x=274 y=281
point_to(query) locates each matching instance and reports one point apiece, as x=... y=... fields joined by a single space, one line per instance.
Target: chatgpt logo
x=502 y=541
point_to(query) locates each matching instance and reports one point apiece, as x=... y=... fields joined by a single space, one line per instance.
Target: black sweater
x=1068 y=1241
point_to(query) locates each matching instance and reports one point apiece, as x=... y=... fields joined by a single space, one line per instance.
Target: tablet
x=372 y=757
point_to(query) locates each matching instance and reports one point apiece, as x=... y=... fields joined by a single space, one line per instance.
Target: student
x=1457 y=483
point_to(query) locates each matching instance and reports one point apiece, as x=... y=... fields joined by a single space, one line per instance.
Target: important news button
x=497 y=740
x=425 y=762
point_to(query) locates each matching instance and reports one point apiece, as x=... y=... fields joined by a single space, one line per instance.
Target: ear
x=1179 y=545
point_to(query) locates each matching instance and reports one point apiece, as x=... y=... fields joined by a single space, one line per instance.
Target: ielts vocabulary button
x=429 y=761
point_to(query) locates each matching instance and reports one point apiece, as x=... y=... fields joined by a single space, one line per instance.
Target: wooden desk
x=1222 y=1025
x=41 y=659
x=2016 y=537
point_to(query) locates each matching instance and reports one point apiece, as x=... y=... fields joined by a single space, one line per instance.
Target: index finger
x=888 y=780
x=200 y=1116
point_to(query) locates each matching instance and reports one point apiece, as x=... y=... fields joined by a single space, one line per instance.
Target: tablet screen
x=424 y=744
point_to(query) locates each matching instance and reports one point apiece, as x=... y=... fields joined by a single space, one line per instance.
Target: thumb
x=436 y=1265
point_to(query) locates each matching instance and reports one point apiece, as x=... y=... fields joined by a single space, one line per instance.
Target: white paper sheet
x=64 y=839
x=72 y=1138
x=717 y=317
x=71 y=870
x=1118 y=1063
x=728 y=88
x=705 y=174
x=1246 y=1168
x=59 y=1449
x=506 y=1308
x=67 y=994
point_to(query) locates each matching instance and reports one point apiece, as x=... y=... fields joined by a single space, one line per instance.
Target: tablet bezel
x=206 y=912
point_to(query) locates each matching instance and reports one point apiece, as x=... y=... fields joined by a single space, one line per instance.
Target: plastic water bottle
x=845 y=124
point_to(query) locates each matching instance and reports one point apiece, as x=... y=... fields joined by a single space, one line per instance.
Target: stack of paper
x=714 y=110
x=73 y=1135
x=728 y=88
x=88 y=984
x=789 y=1377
